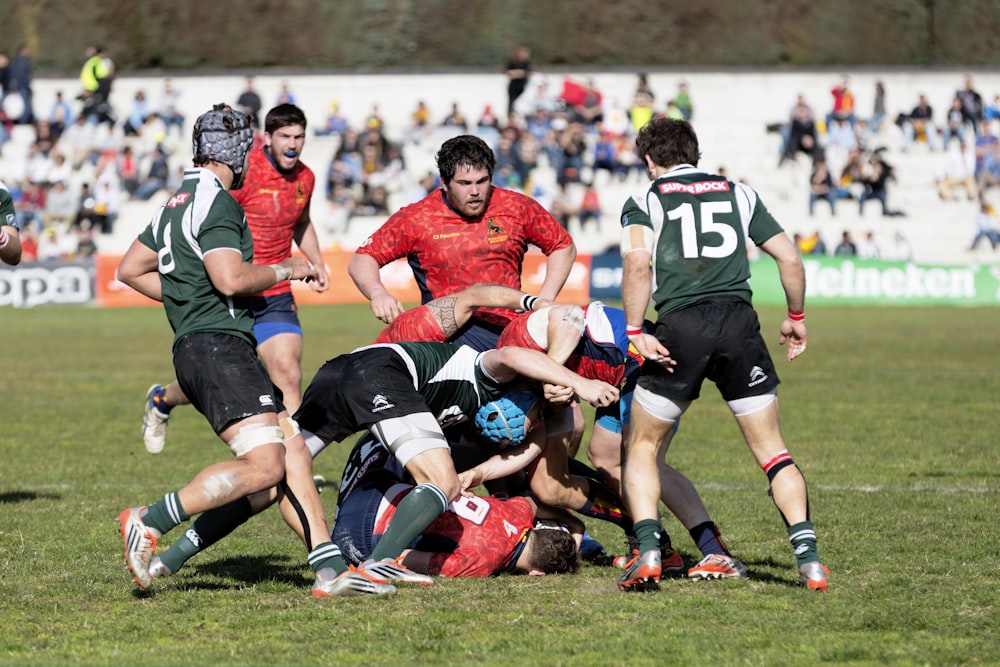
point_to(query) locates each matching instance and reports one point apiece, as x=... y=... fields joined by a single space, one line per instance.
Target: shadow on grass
x=11 y=497
x=246 y=570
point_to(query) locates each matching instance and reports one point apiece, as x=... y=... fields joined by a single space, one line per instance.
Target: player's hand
x=386 y=307
x=469 y=480
x=301 y=268
x=322 y=281
x=650 y=347
x=557 y=394
x=599 y=394
x=794 y=333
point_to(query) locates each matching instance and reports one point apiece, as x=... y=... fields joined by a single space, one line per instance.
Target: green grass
x=892 y=415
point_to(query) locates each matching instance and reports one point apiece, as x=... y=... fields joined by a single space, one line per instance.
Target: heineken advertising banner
x=843 y=281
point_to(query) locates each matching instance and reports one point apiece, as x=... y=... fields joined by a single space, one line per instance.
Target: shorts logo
x=265 y=399
x=380 y=403
x=757 y=375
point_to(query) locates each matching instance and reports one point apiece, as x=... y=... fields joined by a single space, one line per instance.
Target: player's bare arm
x=557 y=269
x=792 y=274
x=364 y=271
x=234 y=277
x=138 y=270
x=637 y=287
x=308 y=243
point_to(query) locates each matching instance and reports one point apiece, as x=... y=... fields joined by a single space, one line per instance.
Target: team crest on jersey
x=494 y=232
x=300 y=194
x=178 y=199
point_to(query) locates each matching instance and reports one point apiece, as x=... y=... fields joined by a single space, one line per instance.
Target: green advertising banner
x=850 y=281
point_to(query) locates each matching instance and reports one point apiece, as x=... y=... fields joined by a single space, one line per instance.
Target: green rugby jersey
x=199 y=218
x=7 y=216
x=449 y=377
x=701 y=223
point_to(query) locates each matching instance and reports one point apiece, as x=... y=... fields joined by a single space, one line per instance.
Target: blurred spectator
x=128 y=170
x=60 y=170
x=843 y=103
x=456 y=119
x=538 y=95
x=60 y=115
x=375 y=202
x=956 y=168
x=878 y=110
x=875 y=176
x=590 y=207
x=954 y=123
x=86 y=245
x=641 y=110
x=869 y=247
x=989 y=174
x=919 y=125
x=683 y=100
x=156 y=178
x=19 y=83
x=29 y=245
x=972 y=103
x=518 y=72
x=78 y=142
x=336 y=123
x=812 y=244
x=487 y=119
x=249 y=102
x=846 y=247
x=85 y=206
x=984 y=144
x=821 y=186
x=585 y=104
x=4 y=75
x=986 y=227
x=420 y=122
x=285 y=95
x=137 y=114
x=673 y=111
x=561 y=207
x=30 y=205
x=60 y=206
x=569 y=165
x=168 y=109
x=898 y=250
x=96 y=77
x=800 y=132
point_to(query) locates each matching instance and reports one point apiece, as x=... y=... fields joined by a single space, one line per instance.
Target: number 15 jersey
x=700 y=224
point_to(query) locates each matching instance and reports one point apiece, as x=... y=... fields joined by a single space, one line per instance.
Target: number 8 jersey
x=696 y=225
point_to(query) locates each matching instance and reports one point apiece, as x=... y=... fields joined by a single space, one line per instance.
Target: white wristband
x=281 y=272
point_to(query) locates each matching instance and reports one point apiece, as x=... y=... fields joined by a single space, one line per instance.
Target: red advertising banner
x=397 y=276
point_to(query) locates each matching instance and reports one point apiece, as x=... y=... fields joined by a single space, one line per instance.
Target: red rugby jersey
x=274 y=203
x=484 y=532
x=449 y=253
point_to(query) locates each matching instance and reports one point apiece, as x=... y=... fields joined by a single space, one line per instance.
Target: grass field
x=892 y=414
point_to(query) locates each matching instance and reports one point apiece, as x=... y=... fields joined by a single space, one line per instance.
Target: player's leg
x=652 y=417
x=759 y=422
x=160 y=400
x=282 y=356
x=417 y=442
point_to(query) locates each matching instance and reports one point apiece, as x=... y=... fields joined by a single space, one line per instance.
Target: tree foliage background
x=429 y=34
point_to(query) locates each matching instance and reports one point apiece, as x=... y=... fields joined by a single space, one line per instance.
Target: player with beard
x=276 y=198
x=465 y=233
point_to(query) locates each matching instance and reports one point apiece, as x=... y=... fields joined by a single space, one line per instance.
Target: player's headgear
x=502 y=422
x=223 y=135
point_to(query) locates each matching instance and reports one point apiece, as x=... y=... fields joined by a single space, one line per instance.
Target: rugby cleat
x=154 y=423
x=671 y=562
x=390 y=569
x=718 y=566
x=157 y=569
x=642 y=572
x=815 y=577
x=140 y=543
x=352 y=582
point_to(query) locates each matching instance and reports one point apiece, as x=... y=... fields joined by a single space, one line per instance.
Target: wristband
x=528 y=302
x=632 y=331
x=3 y=237
x=281 y=272
x=797 y=315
